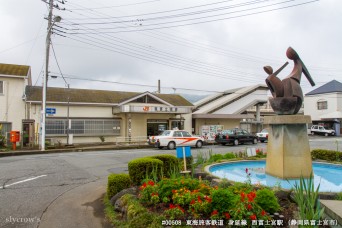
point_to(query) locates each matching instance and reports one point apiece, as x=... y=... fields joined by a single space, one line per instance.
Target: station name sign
x=159 y=109
x=150 y=109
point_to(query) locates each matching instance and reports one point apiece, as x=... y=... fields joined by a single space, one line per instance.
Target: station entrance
x=155 y=127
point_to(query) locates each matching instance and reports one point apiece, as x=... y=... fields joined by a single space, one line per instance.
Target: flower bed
x=201 y=200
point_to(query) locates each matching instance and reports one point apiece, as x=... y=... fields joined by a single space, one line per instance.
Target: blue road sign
x=181 y=151
x=50 y=111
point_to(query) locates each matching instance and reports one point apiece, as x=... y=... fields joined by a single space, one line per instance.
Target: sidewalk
x=79 y=207
x=73 y=149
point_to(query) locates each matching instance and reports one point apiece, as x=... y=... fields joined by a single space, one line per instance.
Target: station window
x=322 y=104
x=1 y=87
x=88 y=127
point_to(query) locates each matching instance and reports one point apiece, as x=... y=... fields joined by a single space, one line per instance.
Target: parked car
x=235 y=136
x=263 y=135
x=173 y=138
x=321 y=130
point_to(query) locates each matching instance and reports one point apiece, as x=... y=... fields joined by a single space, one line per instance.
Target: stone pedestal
x=288 y=149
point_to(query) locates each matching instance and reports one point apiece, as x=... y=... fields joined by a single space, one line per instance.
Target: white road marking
x=32 y=178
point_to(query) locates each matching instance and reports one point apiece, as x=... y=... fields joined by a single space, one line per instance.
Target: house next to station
x=324 y=104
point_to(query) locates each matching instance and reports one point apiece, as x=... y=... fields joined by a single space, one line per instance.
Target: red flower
x=251 y=196
x=150 y=183
x=249 y=207
x=143 y=186
x=174 y=191
x=199 y=199
x=242 y=194
x=192 y=202
x=172 y=206
x=253 y=217
x=263 y=213
x=180 y=208
x=215 y=212
x=208 y=199
x=227 y=215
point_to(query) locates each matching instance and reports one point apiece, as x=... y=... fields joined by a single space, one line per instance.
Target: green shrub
x=224 y=183
x=146 y=219
x=116 y=183
x=167 y=185
x=201 y=158
x=339 y=196
x=223 y=200
x=134 y=209
x=307 y=198
x=2 y=138
x=139 y=168
x=239 y=187
x=329 y=155
x=170 y=163
x=215 y=157
x=229 y=156
x=267 y=200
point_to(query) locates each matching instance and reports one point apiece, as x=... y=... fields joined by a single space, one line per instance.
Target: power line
x=59 y=68
x=216 y=68
x=199 y=46
x=75 y=77
x=176 y=56
x=166 y=11
x=167 y=55
x=116 y=6
x=72 y=77
x=162 y=62
x=194 y=23
x=171 y=16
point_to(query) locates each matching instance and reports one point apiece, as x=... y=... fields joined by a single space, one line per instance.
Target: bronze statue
x=287 y=94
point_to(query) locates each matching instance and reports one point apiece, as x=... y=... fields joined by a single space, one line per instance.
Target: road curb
x=69 y=150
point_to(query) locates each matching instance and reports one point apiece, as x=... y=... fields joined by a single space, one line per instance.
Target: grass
x=110 y=213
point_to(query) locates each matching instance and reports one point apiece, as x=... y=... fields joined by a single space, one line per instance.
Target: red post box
x=14 y=138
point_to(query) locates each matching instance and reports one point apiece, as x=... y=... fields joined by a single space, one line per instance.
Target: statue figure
x=287 y=94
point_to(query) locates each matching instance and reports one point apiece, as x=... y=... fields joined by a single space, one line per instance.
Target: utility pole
x=45 y=79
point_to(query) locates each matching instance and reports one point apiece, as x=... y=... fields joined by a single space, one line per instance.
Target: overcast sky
x=205 y=45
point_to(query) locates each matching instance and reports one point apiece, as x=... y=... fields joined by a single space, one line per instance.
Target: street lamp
x=48 y=40
x=68 y=109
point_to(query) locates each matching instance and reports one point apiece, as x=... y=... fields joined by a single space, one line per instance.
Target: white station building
x=119 y=116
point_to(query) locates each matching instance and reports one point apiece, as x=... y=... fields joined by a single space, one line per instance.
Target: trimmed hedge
x=139 y=168
x=329 y=155
x=116 y=183
x=170 y=163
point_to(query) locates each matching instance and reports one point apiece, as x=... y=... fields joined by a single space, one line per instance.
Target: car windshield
x=228 y=132
x=264 y=131
x=165 y=133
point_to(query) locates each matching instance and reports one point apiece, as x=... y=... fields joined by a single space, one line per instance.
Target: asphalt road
x=34 y=188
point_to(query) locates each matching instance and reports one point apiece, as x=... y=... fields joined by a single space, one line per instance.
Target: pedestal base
x=288 y=149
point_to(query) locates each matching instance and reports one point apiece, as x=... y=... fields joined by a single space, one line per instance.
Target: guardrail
x=137 y=140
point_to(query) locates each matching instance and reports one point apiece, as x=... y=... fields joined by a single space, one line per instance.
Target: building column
x=258 y=118
x=258 y=112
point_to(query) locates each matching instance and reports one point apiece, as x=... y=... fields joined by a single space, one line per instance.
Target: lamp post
x=48 y=39
x=68 y=109
x=68 y=119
